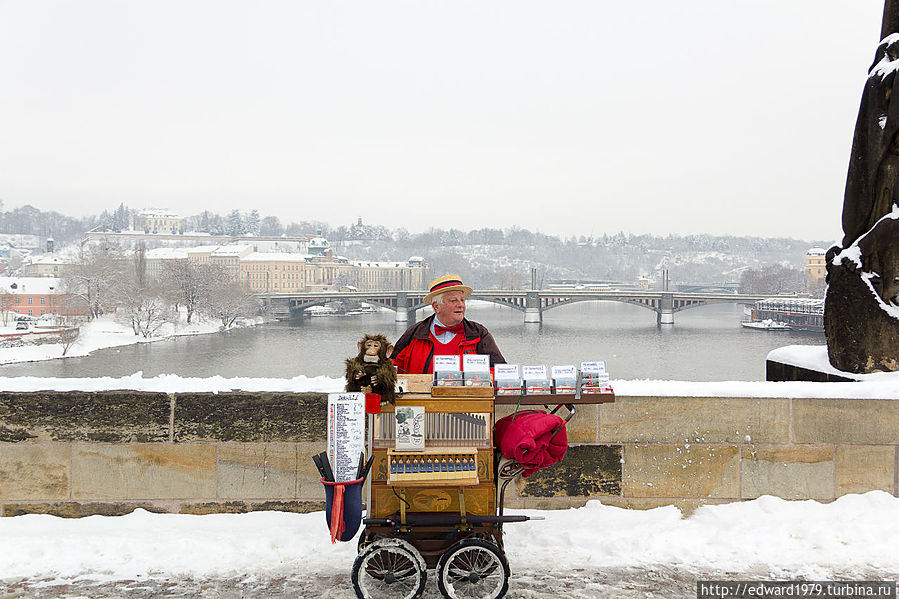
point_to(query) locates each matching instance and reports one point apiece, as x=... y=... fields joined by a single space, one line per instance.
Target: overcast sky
x=567 y=117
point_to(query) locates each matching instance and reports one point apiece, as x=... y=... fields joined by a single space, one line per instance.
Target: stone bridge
x=532 y=303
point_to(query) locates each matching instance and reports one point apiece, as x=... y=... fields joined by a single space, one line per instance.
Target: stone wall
x=81 y=453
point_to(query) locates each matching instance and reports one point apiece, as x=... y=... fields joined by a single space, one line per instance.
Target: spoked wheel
x=473 y=568
x=389 y=569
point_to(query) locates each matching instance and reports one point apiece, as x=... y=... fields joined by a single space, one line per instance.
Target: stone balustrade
x=81 y=453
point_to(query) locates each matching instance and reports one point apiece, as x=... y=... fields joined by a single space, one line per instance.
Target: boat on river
x=797 y=314
x=766 y=325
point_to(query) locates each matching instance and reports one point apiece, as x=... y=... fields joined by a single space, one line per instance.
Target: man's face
x=450 y=308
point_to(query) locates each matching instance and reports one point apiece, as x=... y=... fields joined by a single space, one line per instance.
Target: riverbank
x=105 y=332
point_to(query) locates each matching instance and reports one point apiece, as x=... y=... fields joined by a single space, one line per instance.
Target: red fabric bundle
x=532 y=437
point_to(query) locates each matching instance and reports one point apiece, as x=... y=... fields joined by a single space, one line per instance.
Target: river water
x=704 y=344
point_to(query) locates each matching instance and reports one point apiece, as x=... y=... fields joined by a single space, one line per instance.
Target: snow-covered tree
x=91 y=283
x=251 y=223
x=231 y=300
x=236 y=225
x=270 y=226
x=190 y=284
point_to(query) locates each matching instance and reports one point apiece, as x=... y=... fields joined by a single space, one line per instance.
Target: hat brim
x=465 y=289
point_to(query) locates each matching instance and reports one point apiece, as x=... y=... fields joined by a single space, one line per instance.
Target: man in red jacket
x=445 y=333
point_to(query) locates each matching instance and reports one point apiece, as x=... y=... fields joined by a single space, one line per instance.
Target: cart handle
x=569 y=407
x=444 y=520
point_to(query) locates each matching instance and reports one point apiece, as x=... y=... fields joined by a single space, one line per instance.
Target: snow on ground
x=101 y=333
x=855 y=533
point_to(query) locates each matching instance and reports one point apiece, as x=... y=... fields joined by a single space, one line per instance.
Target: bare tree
x=91 y=282
x=140 y=303
x=7 y=300
x=230 y=300
x=773 y=279
x=68 y=337
x=190 y=284
x=145 y=308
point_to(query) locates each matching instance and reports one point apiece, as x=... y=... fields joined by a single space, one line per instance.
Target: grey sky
x=569 y=117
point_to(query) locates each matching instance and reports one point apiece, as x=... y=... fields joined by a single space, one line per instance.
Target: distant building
x=282 y=244
x=157 y=258
x=229 y=257
x=319 y=246
x=35 y=296
x=815 y=268
x=270 y=272
x=293 y=272
x=47 y=265
x=155 y=221
x=201 y=254
x=411 y=275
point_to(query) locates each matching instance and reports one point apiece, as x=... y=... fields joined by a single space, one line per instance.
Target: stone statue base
x=861 y=336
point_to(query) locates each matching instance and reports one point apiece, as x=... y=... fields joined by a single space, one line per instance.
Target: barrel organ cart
x=441 y=507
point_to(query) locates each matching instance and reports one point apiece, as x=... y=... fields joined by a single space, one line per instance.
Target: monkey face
x=374 y=348
x=371 y=351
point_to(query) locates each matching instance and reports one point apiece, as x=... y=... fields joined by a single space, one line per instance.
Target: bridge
x=532 y=303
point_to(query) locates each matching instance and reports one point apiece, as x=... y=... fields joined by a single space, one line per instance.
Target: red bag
x=532 y=437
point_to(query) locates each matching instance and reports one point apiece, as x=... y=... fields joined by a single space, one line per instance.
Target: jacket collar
x=423 y=328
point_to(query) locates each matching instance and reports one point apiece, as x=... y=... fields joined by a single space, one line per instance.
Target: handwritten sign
x=476 y=363
x=530 y=373
x=346 y=433
x=564 y=372
x=505 y=372
x=597 y=367
x=444 y=363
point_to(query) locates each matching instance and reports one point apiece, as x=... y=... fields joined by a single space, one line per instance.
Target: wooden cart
x=440 y=508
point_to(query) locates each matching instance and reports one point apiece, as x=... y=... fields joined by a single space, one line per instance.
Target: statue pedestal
x=804 y=363
x=862 y=333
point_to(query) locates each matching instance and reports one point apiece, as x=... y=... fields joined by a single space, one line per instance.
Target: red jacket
x=414 y=351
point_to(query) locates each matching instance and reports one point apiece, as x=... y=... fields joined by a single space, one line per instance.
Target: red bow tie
x=439 y=330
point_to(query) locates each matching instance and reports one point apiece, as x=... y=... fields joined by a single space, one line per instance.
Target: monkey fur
x=371 y=370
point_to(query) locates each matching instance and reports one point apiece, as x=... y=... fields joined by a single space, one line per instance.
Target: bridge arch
x=681 y=305
x=385 y=303
x=517 y=303
x=649 y=304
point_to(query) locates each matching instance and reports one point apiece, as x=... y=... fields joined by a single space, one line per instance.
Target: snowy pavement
x=594 y=551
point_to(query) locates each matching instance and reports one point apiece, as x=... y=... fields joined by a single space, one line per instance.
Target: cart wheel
x=473 y=568
x=389 y=569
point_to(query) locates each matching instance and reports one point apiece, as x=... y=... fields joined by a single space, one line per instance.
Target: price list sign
x=346 y=433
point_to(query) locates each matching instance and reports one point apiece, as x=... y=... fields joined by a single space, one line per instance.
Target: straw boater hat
x=444 y=284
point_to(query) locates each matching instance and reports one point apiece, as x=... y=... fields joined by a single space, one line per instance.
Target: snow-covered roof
x=273 y=257
x=166 y=254
x=232 y=250
x=49 y=259
x=203 y=249
x=30 y=285
x=371 y=264
x=816 y=252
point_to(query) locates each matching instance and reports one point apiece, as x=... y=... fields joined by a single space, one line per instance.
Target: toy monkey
x=371 y=371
